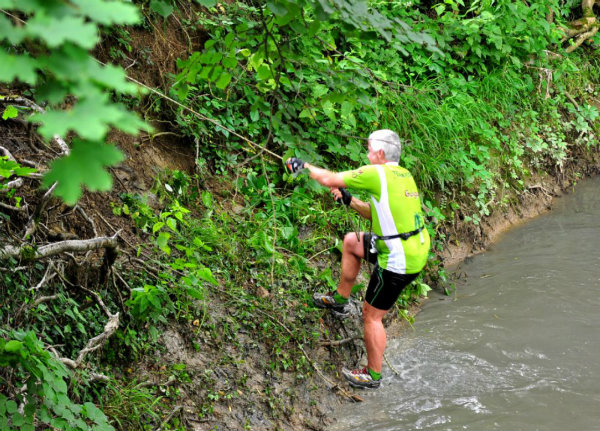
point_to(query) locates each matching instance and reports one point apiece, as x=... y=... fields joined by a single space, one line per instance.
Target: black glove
x=294 y=165
x=346 y=196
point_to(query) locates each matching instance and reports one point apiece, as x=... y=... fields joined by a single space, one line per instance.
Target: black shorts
x=385 y=286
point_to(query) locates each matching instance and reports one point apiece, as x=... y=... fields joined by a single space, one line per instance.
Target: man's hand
x=294 y=164
x=342 y=195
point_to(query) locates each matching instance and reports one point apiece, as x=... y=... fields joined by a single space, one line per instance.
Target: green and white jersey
x=395 y=209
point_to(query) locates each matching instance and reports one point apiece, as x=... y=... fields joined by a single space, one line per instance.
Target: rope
x=200 y=116
x=391 y=366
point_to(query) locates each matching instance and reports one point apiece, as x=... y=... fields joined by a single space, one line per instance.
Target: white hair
x=388 y=141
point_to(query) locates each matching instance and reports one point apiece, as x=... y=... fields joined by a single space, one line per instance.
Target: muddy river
x=515 y=347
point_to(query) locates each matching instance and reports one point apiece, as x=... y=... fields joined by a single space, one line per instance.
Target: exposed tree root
x=583 y=29
x=27 y=252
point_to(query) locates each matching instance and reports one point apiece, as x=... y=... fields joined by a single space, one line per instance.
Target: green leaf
x=11 y=407
x=10 y=112
x=94 y=413
x=22 y=67
x=111 y=77
x=223 y=80
x=161 y=7
x=172 y=224
x=17 y=419
x=84 y=166
x=264 y=72
x=13 y=34
x=56 y=31
x=278 y=8
x=195 y=293
x=206 y=275
x=207 y=3
x=108 y=12
x=162 y=241
x=13 y=346
x=3 y=400
x=91 y=118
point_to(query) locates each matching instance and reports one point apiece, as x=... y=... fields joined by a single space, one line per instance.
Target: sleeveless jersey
x=395 y=208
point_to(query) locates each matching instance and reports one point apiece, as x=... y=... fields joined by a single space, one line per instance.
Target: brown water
x=517 y=347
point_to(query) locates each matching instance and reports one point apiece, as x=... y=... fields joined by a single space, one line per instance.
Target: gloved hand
x=346 y=196
x=294 y=164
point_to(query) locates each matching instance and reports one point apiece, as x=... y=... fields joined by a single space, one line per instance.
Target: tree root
x=30 y=253
x=93 y=344
x=582 y=29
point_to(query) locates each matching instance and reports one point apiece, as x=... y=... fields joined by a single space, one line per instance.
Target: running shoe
x=360 y=378
x=326 y=300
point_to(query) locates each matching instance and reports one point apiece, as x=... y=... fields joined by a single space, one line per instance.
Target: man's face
x=375 y=157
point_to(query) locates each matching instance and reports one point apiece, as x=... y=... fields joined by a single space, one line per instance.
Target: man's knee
x=372 y=314
x=352 y=244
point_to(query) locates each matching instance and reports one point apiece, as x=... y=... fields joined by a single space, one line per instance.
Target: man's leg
x=352 y=253
x=374 y=336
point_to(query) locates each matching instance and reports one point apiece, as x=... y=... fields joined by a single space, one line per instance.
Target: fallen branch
x=7 y=154
x=87 y=218
x=15 y=184
x=339 y=342
x=45 y=278
x=582 y=38
x=43 y=299
x=32 y=223
x=170 y=381
x=92 y=345
x=97 y=342
x=30 y=253
x=176 y=410
x=23 y=208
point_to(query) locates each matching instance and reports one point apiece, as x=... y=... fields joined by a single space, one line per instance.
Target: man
x=399 y=244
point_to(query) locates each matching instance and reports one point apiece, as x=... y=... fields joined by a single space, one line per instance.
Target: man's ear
x=381 y=154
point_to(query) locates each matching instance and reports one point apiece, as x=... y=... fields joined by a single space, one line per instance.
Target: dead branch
x=170 y=381
x=43 y=299
x=176 y=410
x=23 y=208
x=45 y=278
x=97 y=342
x=98 y=377
x=339 y=342
x=98 y=300
x=87 y=218
x=92 y=345
x=32 y=223
x=15 y=184
x=7 y=154
x=582 y=37
x=30 y=253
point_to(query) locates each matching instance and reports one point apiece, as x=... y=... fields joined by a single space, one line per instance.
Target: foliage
x=46 y=44
x=459 y=111
x=46 y=399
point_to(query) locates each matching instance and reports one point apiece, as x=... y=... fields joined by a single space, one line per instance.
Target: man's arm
x=363 y=208
x=325 y=177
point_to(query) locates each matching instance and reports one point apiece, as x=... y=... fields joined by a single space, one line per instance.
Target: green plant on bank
x=458 y=110
x=10 y=170
x=46 y=399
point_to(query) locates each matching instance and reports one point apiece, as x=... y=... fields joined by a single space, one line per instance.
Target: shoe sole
x=359 y=386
